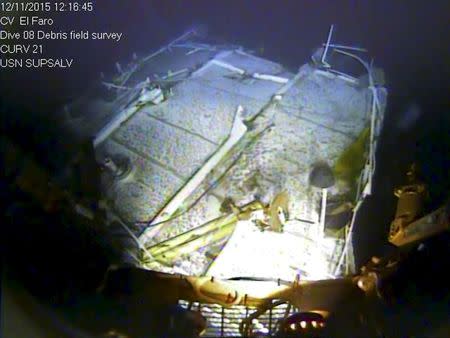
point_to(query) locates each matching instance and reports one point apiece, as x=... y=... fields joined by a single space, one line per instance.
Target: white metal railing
x=365 y=182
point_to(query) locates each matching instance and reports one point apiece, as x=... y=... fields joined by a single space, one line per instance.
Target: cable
x=262 y=279
x=244 y=325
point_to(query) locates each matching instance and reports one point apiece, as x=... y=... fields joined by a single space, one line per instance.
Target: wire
x=244 y=328
x=262 y=279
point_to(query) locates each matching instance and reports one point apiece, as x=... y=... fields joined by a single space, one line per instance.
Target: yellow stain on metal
x=211 y=232
x=348 y=166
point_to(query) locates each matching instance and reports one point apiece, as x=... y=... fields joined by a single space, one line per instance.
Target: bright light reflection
x=252 y=253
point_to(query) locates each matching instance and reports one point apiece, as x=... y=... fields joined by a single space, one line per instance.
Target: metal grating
x=225 y=322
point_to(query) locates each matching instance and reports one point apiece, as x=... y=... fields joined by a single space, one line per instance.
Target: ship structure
x=219 y=163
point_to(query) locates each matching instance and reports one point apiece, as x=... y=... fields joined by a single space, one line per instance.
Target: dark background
x=409 y=39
